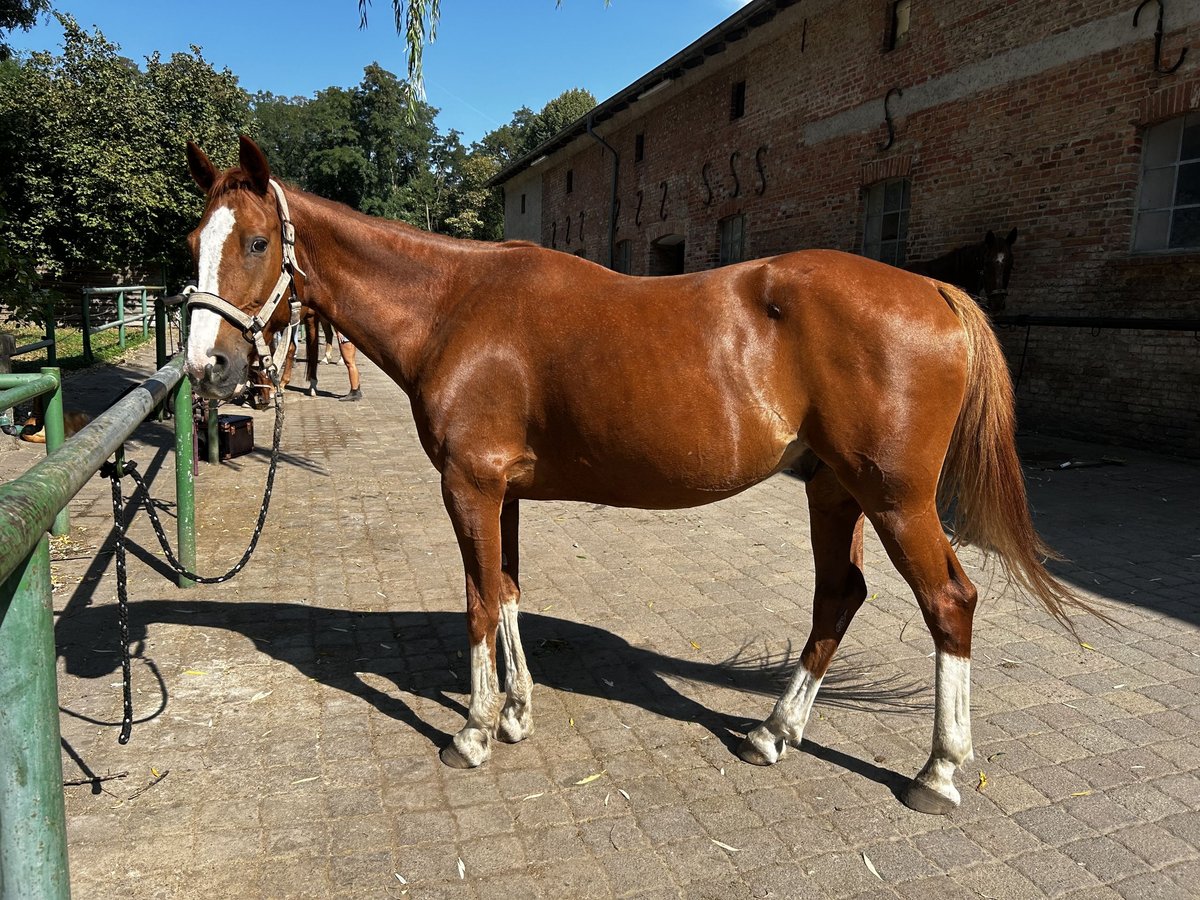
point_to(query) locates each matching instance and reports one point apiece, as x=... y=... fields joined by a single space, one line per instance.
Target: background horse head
x=982 y=269
x=239 y=252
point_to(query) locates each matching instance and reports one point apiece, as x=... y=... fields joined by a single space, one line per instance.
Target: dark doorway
x=666 y=257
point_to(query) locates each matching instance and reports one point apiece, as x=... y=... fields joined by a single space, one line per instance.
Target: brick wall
x=1013 y=114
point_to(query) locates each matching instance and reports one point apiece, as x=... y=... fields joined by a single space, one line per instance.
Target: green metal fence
x=139 y=293
x=33 y=843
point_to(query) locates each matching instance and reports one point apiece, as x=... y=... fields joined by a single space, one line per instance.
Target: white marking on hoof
x=762 y=748
x=312 y=388
x=516 y=724
x=933 y=790
x=768 y=743
x=469 y=748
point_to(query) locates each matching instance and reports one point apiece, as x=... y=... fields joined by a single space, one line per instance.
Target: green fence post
x=33 y=840
x=85 y=315
x=145 y=318
x=160 y=331
x=121 y=319
x=52 y=348
x=185 y=482
x=55 y=435
x=213 y=435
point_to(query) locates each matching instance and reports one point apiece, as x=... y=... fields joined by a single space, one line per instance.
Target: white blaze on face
x=202 y=334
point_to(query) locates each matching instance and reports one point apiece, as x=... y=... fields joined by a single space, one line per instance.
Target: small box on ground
x=235 y=436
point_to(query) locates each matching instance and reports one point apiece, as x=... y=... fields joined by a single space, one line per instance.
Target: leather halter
x=252 y=326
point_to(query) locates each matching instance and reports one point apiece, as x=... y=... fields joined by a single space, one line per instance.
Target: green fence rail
x=16 y=389
x=33 y=842
x=144 y=314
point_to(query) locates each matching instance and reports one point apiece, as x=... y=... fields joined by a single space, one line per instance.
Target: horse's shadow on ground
x=417 y=651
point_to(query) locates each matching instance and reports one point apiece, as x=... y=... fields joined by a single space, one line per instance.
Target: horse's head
x=244 y=268
x=997 y=266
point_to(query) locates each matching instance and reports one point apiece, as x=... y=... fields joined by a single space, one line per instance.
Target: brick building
x=771 y=133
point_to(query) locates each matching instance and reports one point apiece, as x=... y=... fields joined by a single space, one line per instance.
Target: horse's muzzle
x=220 y=378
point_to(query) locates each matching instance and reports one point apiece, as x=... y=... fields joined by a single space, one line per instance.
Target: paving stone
x=303 y=761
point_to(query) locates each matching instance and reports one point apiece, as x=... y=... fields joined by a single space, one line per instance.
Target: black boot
x=355 y=394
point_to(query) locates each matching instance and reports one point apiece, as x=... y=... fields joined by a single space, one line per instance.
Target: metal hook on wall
x=662 y=206
x=707 y=186
x=637 y=213
x=887 y=118
x=737 y=184
x=1158 y=39
x=762 y=171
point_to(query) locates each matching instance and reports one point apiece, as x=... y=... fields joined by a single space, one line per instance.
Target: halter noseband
x=252 y=326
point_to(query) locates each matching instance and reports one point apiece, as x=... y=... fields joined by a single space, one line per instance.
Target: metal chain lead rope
x=114 y=471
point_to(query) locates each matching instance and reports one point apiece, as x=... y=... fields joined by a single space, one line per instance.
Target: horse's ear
x=254 y=163
x=204 y=173
x=1012 y=237
x=989 y=240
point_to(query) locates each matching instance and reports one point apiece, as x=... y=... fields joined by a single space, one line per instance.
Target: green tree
x=21 y=14
x=565 y=109
x=91 y=155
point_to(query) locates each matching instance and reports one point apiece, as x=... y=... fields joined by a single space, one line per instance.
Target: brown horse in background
x=981 y=270
x=535 y=375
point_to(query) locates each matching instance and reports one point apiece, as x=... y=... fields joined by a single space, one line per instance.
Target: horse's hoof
x=512 y=730
x=455 y=760
x=925 y=799
x=312 y=392
x=751 y=754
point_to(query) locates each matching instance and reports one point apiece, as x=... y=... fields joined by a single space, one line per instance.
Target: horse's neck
x=382 y=285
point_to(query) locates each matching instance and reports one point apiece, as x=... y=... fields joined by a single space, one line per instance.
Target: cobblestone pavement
x=289 y=721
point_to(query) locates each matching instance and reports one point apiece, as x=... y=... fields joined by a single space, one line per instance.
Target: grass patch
x=69 y=346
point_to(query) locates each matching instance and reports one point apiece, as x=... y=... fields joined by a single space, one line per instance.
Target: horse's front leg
x=474 y=504
x=516 y=719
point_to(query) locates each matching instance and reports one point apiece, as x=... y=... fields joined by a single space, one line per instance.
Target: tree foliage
x=21 y=14
x=92 y=169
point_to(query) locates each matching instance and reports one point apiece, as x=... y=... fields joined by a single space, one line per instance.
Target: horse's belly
x=654 y=475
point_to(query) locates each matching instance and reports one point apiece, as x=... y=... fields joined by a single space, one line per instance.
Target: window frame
x=737 y=100
x=1139 y=242
x=639 y=146
x=898 y=37
x=902 y=211
x=728 y=242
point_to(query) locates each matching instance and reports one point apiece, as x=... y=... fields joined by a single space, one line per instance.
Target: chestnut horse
x=536 y=375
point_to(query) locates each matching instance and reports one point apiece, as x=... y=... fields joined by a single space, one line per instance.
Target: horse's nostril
x=218 y=366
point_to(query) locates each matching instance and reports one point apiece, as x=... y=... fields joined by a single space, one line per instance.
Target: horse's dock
x=288 y=722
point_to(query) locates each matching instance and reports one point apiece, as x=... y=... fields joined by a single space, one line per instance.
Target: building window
x=733 y=240
x=570 y=180
x=624 y=257
x=522 y=204
x=737 y=101
x=639 y=147
x=886 y=233
x=898 y=24
x=1168 y=209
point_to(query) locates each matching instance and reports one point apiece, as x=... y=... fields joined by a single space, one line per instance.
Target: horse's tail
x=982 y=484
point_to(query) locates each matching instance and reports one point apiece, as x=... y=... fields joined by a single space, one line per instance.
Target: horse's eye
x=259 y=245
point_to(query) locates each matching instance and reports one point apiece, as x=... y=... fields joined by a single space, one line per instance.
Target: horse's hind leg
x=331 y=358
x=310 y=353
x=516 y=718
x=837 y=539
x=474 y=504
x=920 y=551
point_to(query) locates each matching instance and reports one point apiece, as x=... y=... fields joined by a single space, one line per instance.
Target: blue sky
x=491 y=56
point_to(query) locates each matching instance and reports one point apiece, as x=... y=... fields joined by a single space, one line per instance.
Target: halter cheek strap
x=252 y=326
